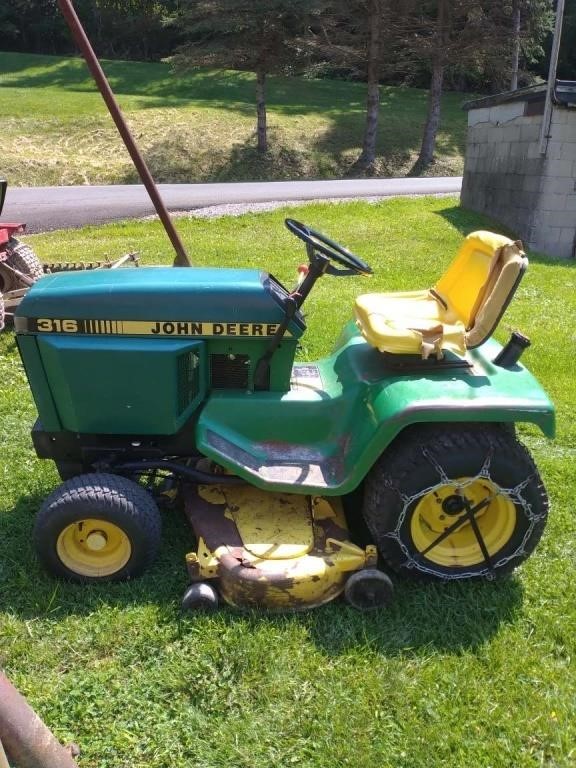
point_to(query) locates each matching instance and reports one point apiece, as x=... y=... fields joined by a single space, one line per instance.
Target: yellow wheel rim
x=94 y=548
x=440 y=508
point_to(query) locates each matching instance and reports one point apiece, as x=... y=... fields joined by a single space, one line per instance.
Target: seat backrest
x=467 y=276
x=507 y=271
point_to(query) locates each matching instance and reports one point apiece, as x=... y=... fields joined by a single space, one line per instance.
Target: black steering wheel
x=316 y=241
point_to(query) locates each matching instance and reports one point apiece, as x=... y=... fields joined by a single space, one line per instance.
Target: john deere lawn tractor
x=180 y=384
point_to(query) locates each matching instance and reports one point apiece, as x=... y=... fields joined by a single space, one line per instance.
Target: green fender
x=342 y=412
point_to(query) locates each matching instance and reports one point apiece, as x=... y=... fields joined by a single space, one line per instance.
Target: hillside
x=54 y=127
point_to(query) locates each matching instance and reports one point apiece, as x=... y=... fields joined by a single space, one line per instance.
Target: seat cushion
x=460 y=312
x=413 y=323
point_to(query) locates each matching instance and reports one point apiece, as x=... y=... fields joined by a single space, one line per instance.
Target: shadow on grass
x=160 y=87
x=466 y=221
x=447 y=617
x=340 y=104
x=27 y=591
x=452 y=617
x=171 y=161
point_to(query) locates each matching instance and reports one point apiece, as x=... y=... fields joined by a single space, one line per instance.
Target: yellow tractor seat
x=460 y=312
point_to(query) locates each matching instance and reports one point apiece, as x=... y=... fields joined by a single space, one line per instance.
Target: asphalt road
x=46 y=208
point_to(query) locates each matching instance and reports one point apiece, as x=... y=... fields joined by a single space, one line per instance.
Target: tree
x=567 y=58
x=359 y=36
x=567 y=54
x=531 y=21
x=516 y=27
x=252 y=35
x=129 y=29
x=446 y=33
x=31 y=25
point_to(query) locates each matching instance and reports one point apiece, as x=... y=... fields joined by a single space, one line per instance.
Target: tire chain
x=514 y=493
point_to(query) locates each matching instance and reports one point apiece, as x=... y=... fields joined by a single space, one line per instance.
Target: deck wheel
x=368 y=589
x=200 y=596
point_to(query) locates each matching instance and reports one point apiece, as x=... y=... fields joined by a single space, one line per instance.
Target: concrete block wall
x=507 y=178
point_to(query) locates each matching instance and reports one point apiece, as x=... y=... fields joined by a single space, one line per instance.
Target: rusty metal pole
x=83 y=43
x=28 y=742
x=3 y=759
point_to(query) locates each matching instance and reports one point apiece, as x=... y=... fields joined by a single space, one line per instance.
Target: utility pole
x=547 y=117
x=516 y=23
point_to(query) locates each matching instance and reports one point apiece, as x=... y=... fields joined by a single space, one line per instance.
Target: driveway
x=46 y=208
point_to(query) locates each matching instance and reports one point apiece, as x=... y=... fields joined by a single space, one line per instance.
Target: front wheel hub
x=93 y=548
x=96 y=541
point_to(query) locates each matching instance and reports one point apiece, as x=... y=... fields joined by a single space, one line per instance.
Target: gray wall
x=507 y=178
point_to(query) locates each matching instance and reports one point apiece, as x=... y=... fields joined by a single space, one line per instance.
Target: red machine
x=19 y=265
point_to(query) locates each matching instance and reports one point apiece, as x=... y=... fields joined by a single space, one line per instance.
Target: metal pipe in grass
x=27 y=740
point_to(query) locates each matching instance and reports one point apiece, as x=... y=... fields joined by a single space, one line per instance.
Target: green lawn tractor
x=179 y=385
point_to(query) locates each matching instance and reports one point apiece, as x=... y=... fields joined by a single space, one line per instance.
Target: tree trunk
x=432 y=119
x=367 y=159
x=261 y=112
x=435 y=97
x=515 y=44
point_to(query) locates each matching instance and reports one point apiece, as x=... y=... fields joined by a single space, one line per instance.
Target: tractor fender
x=344 y=411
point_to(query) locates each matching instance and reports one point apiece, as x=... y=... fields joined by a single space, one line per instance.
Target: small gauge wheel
x=369 y=589
x=200 y=596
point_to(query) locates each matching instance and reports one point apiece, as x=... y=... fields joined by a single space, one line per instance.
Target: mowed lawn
x=54 y=127
x=451 y=676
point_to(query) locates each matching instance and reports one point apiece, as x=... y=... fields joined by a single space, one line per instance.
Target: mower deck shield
x=273 y=550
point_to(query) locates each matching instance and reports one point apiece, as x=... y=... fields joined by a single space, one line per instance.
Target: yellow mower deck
x=274 y=550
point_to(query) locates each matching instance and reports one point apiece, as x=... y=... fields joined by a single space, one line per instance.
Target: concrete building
x=508 y=178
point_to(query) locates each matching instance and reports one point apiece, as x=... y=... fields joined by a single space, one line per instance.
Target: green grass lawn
x=451 y=676
x=54 y=127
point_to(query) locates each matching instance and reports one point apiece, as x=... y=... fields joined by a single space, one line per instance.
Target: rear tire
x=97 y=527
x=425 y=483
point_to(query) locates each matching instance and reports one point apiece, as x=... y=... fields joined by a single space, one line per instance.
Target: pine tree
x=447 y=33
x=251 y=35
x=359 y=36
x=531 y=21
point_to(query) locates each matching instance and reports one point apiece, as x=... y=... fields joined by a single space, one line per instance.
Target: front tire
x=97 y=527
x=455 y=502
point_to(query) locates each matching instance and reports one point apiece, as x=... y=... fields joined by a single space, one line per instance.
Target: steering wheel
x=316 y=241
